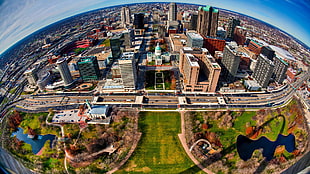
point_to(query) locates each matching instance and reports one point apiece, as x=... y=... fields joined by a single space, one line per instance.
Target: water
x=246 y=146
x=36 y=144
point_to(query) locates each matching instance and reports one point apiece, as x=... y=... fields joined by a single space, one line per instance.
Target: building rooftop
x=192 y=59
x=194 y=35
x=98 y=109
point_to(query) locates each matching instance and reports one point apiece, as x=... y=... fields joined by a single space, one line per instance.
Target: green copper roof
x=157 y=48
x=207 y=8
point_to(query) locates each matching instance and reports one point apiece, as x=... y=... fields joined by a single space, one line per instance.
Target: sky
x=19 y=18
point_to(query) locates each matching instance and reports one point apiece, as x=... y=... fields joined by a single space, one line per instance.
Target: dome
x=157 y=47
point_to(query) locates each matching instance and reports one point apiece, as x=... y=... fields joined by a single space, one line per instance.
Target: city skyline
x=29 y=16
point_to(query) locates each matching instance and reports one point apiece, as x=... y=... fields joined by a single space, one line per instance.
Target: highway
x=59 y=101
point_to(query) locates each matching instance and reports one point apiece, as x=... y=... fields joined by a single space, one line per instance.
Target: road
x=61 y=101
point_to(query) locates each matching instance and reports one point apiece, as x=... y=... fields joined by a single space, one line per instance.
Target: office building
x=125 y=16
x=32 y=77
x=172 y=15
x=263 y=71
x=213 y=44
x=128 y=37
x=115 y=45
x=89 y=68
x=240 y=35
x=255 y=46
x=268 y=52
x=232 y=24
x=194 y=40
x=128 y=69
x=138 y=21
x=230 y=61
x=200 y=70
x=280 y=69
x=177 y=41
x=44 y=79
x=63 y=68
x=193 y=21
x=207 y=21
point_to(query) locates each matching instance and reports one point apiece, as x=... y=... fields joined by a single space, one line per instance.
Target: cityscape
x=156 y=88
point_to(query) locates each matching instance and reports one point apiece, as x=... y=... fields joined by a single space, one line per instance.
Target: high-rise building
x=193 y=22
x=268 y=52
x=232 y=24
x=263 y=71
x=89 y=68
x=194 y=40
x=115 y=45
x=200 y=70
x=128 y=70
x=230 y=61
x=172 y=15
x=125 y=16
x=280 y=69
x=64 y=71
x=31 y=76
x=240 y=35
x=207 y=21
x=138 y=21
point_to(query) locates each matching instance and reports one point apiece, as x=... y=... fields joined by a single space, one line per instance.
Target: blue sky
x=20 y=18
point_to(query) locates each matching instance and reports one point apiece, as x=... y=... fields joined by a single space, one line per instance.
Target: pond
x=246 y=146
x=36 y=143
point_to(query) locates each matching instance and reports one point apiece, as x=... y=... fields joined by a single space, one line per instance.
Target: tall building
x=194 y=40
x=138 y=21
x=89 y=68
x=207 y=21
x=128 y=69
x=280 y=69
x=230 y=61
x=125 y=16
x=64 y=71
x=115 y=45
x=240 y=35
x=172 y=15
x=31 y=76
x=263 y=71
x=268 y=52
x=200 y=70
x=232 y=24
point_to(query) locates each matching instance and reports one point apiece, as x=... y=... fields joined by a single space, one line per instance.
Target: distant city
x=156 y=56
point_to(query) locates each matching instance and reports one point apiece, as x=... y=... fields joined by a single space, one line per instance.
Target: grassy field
x=159 y=150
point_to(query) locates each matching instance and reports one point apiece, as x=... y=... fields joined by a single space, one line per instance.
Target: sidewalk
x=183 y=142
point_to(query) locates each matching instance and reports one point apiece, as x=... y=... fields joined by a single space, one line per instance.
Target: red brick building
x=213 y=44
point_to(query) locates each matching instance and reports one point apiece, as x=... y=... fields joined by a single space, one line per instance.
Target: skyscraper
x=115 y=45
x=89 y=68
x=138 y=21
x=263 y=70
x=64 y=71
x=230 y=61
x=172 y=15
x=125 y=16
x=207 y=21
x=231 y=27
x=31 y=76
x=128 y=70
x=280 y=69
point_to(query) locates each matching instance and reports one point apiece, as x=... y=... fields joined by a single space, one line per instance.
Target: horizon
x=6 y=44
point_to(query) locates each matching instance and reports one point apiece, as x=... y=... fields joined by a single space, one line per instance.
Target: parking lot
x=68 y=116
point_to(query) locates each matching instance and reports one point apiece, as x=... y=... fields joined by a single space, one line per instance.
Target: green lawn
x=159 y=150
